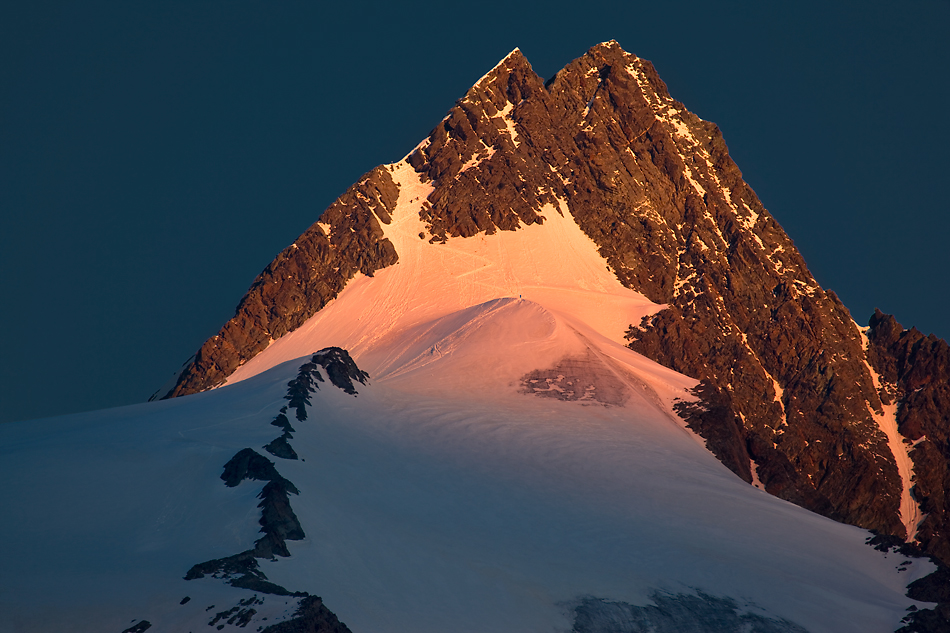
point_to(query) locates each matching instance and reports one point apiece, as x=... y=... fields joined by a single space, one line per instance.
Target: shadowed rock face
x=674 y=613
x=786 y=394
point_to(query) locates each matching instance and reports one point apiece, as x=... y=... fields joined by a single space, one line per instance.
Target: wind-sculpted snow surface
x=442 y=498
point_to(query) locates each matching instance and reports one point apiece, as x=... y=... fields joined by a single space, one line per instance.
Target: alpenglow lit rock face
x=687 y=268
x=789 y=398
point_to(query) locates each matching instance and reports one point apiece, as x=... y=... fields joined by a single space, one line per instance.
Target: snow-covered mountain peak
x=584 y=251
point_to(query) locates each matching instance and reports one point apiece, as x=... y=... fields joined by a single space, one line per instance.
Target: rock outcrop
x=302 y=279
x=311 y=617
x=790 y=396
x=916 y=374
x=278 y=521
x=674 y=612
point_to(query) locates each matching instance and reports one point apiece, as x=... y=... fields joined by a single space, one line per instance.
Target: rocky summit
x=793 y=397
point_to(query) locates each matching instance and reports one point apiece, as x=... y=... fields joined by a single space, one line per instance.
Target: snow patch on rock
x=911 y=514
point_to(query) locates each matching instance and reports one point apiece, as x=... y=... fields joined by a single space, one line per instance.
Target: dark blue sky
x=154 y=157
